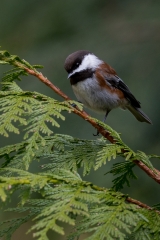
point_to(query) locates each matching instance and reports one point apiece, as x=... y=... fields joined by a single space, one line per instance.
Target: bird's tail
x=139 y=114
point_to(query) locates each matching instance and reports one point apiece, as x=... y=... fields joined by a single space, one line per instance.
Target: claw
x=97 y=134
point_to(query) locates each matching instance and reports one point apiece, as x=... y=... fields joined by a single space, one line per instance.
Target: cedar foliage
x=62 y=195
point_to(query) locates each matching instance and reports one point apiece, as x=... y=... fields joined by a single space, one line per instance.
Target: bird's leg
x=105 y=117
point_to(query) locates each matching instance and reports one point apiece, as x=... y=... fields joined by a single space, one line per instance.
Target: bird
x=97 y=85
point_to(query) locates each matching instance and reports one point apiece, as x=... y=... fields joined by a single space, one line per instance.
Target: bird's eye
x=77 y=63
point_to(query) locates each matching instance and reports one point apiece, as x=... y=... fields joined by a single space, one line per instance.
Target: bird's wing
x=116 y=82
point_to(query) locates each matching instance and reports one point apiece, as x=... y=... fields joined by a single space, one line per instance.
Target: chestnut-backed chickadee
x=98 y=87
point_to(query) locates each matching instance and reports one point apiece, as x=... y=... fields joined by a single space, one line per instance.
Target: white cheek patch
x=89 y=61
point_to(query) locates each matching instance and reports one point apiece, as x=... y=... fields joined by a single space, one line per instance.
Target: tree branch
x=28 y=181
x=140 y=204
x=154 y=174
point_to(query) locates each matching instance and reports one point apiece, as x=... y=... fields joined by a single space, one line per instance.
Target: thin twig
x=128 y=199
x=140 y=204
x=154 y=174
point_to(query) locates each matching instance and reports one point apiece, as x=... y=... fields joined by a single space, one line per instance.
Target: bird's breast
x=95 y=97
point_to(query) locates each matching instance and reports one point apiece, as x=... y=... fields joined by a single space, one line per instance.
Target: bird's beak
x=69 y=75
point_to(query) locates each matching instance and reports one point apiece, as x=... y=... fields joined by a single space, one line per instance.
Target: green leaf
x=124 y=173
x=107 y=152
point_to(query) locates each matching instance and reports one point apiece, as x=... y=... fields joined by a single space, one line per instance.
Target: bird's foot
x=97 y=134
x=74 y=105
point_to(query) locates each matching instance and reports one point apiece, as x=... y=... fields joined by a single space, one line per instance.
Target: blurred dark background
x=126 y=34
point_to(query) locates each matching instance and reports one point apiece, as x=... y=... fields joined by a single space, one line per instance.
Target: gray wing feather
x=134 y=107
x=116 y=82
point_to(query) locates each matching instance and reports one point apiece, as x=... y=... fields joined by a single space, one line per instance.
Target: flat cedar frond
x=14 y=60
x=71 y=153
x=71 y=196
x=144 y=158
x=62 y=150
x=109 y=222
x=147 y=229
x=15 y=106
x=107 y=152
x=13 y=74
x=8 y=231
x=123 y=172
x=10 y=87
x=32 y=110
x=64 y=198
